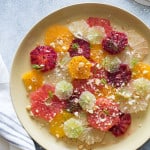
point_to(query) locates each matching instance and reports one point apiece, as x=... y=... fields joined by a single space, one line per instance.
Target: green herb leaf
x=35 y=66
x=103 y=81
x=106 y=112
x=50 y=93
x=134 y=61
x=75 y=46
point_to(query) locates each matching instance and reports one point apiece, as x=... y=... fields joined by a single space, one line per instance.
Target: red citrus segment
x=44 y=104
x=100 y=79
x=120 y=77
x=105 y=115
x=42 y=93
x=122 y=126
x=98 y=72
x=105 y=23
x=80 y=47
x=43 y=58
x=81 y=85
x=115 y=42
x=95 y=84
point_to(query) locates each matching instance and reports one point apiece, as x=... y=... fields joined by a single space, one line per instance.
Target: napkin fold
x=143 y=2
x=10 y=127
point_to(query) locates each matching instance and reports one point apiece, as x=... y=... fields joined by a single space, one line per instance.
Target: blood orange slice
x=80 y=47
x=122 y=126
x=43 y=58
x=115 y=42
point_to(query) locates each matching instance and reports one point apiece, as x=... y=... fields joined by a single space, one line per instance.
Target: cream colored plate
x=139 y=131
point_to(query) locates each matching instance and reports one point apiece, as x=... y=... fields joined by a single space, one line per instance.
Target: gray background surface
x=17 y=17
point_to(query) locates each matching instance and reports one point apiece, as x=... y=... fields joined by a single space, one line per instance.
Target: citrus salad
x=87 y=79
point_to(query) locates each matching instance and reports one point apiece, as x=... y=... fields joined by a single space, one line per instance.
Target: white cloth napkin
x=10 y=128
x=144 y=2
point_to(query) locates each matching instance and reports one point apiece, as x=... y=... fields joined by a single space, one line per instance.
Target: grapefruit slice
x=105 y=23
x=105 y=115
x=44 y=104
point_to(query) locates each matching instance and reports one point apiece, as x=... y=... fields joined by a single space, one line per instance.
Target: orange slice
x=32 y=80
x=106 y=91
x=59 y=37
x=141 y=70
x=97 y=54
x=79 y=68
x=56 y=125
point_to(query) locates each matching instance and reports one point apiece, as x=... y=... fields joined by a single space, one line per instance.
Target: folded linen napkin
x=143 y=2
x=10 y=128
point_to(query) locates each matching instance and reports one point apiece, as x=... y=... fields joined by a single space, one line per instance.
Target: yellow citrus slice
x=141 y=70
x=79 y=67
x=32 y=80
x=106 y=91
x=56 y=125
x=96 y=53
x=59 y=37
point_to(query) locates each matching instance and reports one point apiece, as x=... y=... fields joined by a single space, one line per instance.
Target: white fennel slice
x=91 y=136
x=87 y=101
x=111 y=64
x=95 y=34
x=134 y=38
x=63 y=60
x=136 y=98
x=141 y=87
x=133 y=105
x=73 y=128
x=79 y=28
x=129 y=57
x=138 y=44
x=63 y=89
